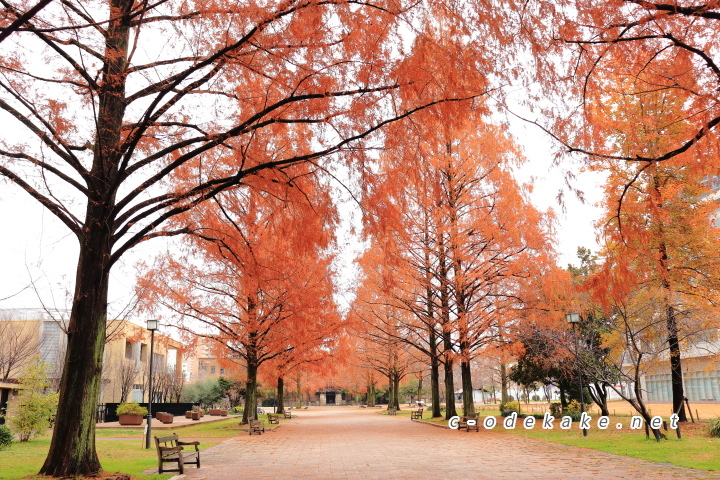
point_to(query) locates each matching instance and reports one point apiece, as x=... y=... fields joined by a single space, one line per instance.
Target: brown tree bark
x=280 y=395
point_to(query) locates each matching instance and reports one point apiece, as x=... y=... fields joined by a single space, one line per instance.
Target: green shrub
x=573 y=414
x=714 y=427
x=6 y=437
x=37 y=408
x=131 y=409
x=555 y=409
x=536 y=398
x=512 y=406
x=539 y=416
x=236 y=409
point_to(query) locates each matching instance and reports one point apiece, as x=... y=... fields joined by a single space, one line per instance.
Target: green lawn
x=694 y=450
x=127 y=455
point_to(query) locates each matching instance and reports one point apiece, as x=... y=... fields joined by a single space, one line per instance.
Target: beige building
x=202 y=362
x=126 y=366
x=26 y=334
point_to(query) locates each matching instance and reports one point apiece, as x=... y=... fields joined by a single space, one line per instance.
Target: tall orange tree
x=658 y=226
x=131 y=96
x=255 y=278
x=462 y=236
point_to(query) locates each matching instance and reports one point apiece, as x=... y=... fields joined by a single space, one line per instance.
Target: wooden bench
x=464 y=422
x=273 y=418
x=417 y=414
x=287 y=414
x=171 y=451
x=255 y=426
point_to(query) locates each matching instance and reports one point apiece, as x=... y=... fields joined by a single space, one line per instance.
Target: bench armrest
x=196 y=443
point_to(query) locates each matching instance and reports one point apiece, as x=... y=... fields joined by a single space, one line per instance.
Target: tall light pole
x=574 y=319
x=152 y=325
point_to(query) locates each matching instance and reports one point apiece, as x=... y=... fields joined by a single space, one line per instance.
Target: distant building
x=125 y=368
x=202 y=362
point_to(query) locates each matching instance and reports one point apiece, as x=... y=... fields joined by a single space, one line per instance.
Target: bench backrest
x=169 y=441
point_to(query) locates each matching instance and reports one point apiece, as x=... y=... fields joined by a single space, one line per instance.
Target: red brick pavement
x=336 y=443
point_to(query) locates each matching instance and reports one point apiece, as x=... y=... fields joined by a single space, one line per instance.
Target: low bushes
x=6 y=437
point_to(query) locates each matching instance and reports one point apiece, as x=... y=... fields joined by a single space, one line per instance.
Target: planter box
x=195 y=415
x=188 y=414
x=127 y=419
x=165 y=417
x=217 y=412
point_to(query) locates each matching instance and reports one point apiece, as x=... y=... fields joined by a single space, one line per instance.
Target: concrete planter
x=128 y=419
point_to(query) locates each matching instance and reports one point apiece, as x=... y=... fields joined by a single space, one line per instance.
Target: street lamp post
x=152 y=325
x=574 y=319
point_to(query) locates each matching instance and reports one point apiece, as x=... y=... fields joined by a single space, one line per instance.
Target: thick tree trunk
x=396 y=391
x=298 y=384
x=435 y=386
x=503 y=383
x=450 y=410
x=468 y=404
x=676 y=376
x=250 y=410
x=391 y=389
x=72 y=449
x=563 y=398
x=371 y=395
x=280 y=395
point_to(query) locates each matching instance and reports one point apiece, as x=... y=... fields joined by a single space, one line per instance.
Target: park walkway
x=337 y=443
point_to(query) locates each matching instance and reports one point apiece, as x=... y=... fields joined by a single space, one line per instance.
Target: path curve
x=336 y=443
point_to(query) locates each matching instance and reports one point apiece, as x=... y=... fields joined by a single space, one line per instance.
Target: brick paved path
x=336 y=443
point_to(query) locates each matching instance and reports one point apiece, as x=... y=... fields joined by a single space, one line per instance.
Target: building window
x=212 y=369
x=203 y=368
x=143 y=352
x=222 y=370
x=128 y=350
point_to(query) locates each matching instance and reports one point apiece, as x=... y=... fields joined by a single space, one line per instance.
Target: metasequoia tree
x=131 y=97
x=467 y=234
x=383 y=331
x=256 y=276
x=660 y=230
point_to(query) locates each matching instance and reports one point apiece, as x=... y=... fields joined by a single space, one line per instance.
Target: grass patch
x=24 y=459
x=694 y=450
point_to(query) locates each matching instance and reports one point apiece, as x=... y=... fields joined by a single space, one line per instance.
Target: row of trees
x=455 y=251
x=121 y=135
